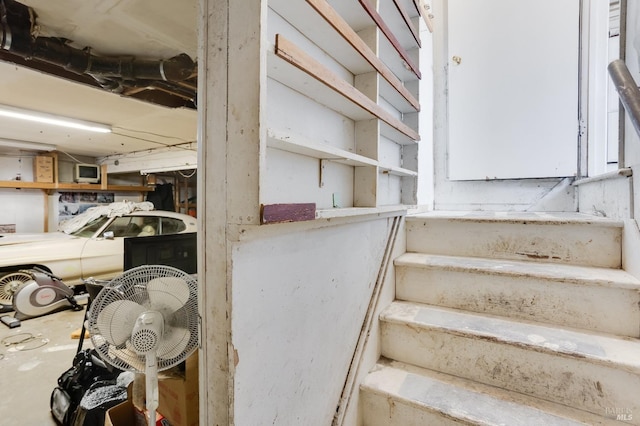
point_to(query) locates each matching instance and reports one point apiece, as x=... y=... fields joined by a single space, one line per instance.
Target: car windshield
x=90 y=228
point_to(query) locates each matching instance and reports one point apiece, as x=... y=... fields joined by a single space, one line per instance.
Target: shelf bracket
x=323 y=164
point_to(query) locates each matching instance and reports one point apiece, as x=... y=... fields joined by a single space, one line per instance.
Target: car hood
x=23 y=238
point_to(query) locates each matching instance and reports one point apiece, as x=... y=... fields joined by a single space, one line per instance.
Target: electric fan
x=146 y=320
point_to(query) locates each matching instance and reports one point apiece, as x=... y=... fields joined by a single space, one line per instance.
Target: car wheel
x=9 y=284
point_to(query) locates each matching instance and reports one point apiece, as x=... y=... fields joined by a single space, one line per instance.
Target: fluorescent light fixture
x=56 y=120
x=33 y=146
x=168 y=169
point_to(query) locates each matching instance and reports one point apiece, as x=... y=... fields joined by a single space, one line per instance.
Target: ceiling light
x=56 y=120
x=169 y=169
x=7 y=143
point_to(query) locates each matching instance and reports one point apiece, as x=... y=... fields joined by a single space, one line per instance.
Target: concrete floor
x=30 y=370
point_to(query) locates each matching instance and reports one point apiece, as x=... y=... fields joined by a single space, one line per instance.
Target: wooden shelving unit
x=363 y=64
x=72 y=186
x=68 y=186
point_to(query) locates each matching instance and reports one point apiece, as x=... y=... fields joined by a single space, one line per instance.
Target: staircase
x=508 y=319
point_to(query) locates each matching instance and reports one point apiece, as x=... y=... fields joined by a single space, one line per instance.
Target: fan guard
x=155 y=288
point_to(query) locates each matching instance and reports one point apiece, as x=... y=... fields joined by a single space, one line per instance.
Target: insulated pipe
x=56 y=51
x=17 y=20
x=627 y=90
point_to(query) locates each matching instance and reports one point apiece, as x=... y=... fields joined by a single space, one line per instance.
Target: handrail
x=627 y=90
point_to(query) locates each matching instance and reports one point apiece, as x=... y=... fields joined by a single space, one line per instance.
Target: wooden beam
x=407 y=21
x=329 y=14
x=301 y=60
x=294 y=212
x=425 y=11
x=103 y=177
x=20 y=184
x=46 y=211
x=373 y=13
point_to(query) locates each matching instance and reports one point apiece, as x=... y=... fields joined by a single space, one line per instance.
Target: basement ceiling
x=144 y=114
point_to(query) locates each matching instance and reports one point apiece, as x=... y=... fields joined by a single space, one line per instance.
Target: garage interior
x=55 y=61
x=129 y=64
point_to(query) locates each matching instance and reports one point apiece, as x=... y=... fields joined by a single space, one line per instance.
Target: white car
x=94 y=250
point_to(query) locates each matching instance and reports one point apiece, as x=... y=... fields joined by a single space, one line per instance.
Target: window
x=124 y=227
x=172 y=226
x=89 y=229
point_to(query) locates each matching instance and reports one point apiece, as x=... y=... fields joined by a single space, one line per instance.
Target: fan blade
x=174 y=342
x=125 y=358
x=169 y=292
x=117 y=319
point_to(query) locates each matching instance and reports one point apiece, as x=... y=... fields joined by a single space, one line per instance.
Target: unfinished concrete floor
x=30 y=369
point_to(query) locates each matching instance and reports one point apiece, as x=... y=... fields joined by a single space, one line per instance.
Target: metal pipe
x=627 y=90
x=17 y=21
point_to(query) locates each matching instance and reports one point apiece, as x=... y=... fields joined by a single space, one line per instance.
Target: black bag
x=86 y=370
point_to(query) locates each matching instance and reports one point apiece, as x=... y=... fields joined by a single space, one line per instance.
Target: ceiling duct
x=120 y=74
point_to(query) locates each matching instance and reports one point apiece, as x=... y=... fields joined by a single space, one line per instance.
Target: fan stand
x=151 y=383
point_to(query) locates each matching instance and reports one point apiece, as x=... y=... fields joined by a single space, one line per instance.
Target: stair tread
x=595 y=347
x=607 y=277
x=551 y=218
x=470 y=401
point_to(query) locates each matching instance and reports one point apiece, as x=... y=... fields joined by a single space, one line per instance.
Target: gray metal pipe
x=627 y=90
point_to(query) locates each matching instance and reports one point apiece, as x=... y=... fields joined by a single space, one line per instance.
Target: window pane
x=172 y=226
x=123 y=227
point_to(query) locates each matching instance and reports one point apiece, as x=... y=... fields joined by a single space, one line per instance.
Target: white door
x=513 y=88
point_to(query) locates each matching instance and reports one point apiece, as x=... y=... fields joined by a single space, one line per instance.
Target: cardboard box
x=126 y=414
x=43 y=169
x=178 y=396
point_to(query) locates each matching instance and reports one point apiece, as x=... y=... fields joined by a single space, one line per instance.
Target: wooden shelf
x=285 y=141
x=18 y=184
x=424 y=9
x=390 y=36
x=398 y=171
x=399 y=15
x=326 y=28
x=294 y=68
x=358 y=211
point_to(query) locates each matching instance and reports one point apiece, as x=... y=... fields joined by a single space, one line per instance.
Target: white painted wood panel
x=299 y=302
x=513 y=98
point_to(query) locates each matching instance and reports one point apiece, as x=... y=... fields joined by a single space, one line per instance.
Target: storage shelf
x=286 y=141
x=18 y=184
x=390 y=39
x=353 y=13
x=398 y=15
x=320 y=33
x=398 y=171
x=326 y=28
x=305 y=75
x=359 y=211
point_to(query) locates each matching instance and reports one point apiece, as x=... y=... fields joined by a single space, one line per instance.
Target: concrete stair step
x=598 y=299
x=587 y=371
x=572 y=238
x=395 y=393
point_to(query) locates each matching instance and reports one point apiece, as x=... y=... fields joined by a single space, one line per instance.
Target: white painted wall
x=631 y=236
x=632 y=140
x=426 y=166
x=299 y=299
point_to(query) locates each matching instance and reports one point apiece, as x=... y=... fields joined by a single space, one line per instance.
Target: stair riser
x=602 y=309
x=571 y=381
x=381 y=410
x=578 y=244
